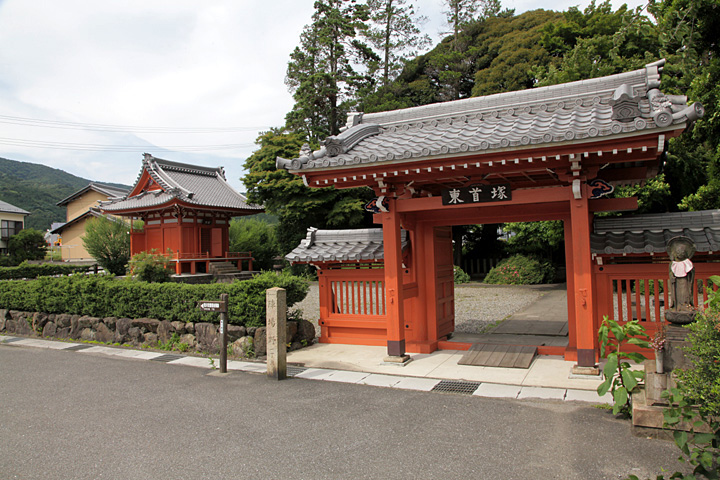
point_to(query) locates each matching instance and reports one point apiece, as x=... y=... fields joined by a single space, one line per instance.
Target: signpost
x=477 y=193
x=220 y=307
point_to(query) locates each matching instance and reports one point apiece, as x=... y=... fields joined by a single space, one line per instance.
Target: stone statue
x=682 y=277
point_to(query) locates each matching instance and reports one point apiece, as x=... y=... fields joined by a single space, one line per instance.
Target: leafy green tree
x=28 y=244
x=598 y=42
x=297 y=206
x=322 y=73
x=108 y=241
x=394 y=32
x=498 y=54
x=248 y=234
x=541 y=239
x=688 y=39
x=460 y=13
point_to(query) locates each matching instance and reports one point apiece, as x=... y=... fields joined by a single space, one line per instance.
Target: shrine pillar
x=394 y=297
x=580 y=286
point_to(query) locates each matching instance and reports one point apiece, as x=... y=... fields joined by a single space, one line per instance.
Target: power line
x=118 y=148
x=36 y=122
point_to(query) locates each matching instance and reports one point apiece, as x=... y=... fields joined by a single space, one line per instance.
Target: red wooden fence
x=638 y=291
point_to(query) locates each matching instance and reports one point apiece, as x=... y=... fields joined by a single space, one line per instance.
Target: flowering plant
x=658 y=341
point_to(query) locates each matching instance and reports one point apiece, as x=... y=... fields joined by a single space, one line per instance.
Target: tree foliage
x=297 y=206
x=248 y=234
x=322 y=73
x=395 y=33
x=28 y=244
x=497 y=54
x=108 y=241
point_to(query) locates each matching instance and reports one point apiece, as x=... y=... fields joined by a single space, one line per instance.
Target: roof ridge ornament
x=625 y=104
x=339 y=144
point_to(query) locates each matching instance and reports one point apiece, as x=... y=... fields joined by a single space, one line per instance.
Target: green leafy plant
x=28 y=244
x=106 y=296
x=108 y=241
x=694 y=412
x=150 y=266
x=714 y=299
x=620 y=379
x=29 y=270
x=459 y=275
x=520 y=270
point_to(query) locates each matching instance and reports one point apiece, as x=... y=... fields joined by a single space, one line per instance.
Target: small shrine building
x=186 y=210
x=547 y=153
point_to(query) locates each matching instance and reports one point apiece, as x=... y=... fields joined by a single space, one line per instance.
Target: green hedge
x=29 y=270
x=521 y=270
x=106 y=296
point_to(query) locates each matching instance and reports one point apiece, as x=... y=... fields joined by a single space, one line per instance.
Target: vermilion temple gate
x=541 y=154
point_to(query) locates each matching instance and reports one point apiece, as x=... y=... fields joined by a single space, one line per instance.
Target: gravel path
x=476 y=306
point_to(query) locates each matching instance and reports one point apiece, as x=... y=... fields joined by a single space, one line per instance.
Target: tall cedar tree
x=460 y=13
x=394 y=32
x=322 y=74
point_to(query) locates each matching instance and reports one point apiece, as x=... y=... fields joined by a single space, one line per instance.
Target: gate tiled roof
x=616 y=105
x=650 y=233
x=341 y=245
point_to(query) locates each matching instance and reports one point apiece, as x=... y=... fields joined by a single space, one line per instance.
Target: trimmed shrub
x=701 y=381
x=150 y=267
x=29 y=270
x=106 y=296
x=520 y=270
x=459 y=275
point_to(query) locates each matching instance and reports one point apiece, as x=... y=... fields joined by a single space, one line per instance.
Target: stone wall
x=200 y=337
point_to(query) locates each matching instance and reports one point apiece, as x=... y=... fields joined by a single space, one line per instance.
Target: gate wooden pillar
x=394 y=284
x=582 y=278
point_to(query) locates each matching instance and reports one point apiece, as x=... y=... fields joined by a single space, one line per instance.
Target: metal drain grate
x=168 y=357
x=454 y=386
x=292 y=371
x=77 y=348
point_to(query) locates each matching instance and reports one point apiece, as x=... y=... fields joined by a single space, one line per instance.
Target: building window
x=8 y=228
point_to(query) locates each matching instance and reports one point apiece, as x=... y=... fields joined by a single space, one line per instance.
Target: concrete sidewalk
x=547 y=378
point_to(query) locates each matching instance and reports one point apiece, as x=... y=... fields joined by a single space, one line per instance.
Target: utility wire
x=118 y=148
x=36 y=122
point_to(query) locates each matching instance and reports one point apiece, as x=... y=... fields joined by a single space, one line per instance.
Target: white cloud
x=170 y=63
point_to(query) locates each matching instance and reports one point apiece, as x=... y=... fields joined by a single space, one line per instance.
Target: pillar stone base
x=400 y=360
x=593 y=371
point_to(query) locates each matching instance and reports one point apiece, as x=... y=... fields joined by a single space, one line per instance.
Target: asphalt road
x=70 y=415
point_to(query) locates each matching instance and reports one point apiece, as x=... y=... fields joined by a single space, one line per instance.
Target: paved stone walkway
x=483 y=389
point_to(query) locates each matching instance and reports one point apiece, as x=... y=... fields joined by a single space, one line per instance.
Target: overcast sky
x=185 y=80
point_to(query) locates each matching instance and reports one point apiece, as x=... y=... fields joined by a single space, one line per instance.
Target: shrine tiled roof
x=609 y=106
x=110 y=191
x=8 y=208
x=650 y=233
x=191 y=184
x=341 y=246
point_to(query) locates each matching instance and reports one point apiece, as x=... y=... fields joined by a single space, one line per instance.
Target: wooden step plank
x=511 y=355
x=492 y=355
x=470 y=357
x=526 y=357
x=487 y=353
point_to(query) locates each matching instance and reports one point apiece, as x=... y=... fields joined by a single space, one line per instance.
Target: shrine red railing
x=638 y=291
x=352 y=305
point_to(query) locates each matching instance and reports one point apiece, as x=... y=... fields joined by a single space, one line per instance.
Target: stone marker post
x=276 y=316
x=223 y=334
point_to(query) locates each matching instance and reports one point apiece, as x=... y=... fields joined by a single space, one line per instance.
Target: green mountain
x=37 y=188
